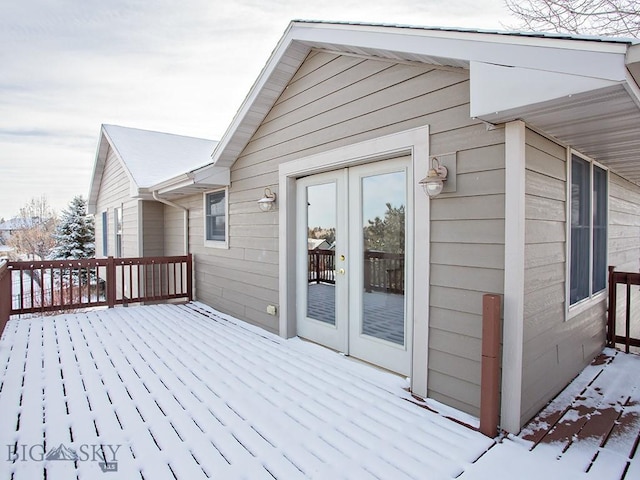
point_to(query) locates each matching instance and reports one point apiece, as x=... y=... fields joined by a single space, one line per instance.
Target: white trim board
x=514 y=243
x=414 y=142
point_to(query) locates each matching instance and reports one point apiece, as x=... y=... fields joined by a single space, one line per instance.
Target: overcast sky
x=178 y=66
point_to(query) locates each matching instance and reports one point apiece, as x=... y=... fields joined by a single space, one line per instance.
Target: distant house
x=128 y=196
x=13 y=225
x=318 y=244
x=540 y=135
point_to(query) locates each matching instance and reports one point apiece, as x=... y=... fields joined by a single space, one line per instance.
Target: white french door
x=353 y=281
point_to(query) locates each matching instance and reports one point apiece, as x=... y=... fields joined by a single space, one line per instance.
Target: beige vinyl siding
x=114 y=193
x=173 y=231
x=335 y=101
x=624 y=244
x=467 y=261
x=554 y=350
x=152 y=229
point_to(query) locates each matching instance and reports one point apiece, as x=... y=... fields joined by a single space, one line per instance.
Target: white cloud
x=178 y=66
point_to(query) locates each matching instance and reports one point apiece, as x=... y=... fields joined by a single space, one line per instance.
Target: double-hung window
x=215 y=207
x=588 y=234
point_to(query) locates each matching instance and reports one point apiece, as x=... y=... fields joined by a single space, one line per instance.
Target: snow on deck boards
x=183 y=392
x=594 y=424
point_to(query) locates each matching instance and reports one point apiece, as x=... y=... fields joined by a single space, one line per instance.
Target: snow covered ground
x=164 y=392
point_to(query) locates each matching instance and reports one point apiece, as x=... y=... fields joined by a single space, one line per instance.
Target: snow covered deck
x=167 y=391
x=594 y=424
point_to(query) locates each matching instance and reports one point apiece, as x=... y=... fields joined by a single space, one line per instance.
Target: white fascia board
x=209 y=176
x=633 y=54
x=133 y=183
x=96 y=175
x=222 y=154
x=212 y=175
x=631 y=86
x=559 y=55
x=497 y=88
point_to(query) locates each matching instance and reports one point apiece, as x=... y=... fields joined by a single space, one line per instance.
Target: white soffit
x=498 y=88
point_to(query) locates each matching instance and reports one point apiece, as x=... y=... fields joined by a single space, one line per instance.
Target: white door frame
x=414 y=142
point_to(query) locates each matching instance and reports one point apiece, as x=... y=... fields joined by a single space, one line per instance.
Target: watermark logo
x=62 y=453
x=104 y=454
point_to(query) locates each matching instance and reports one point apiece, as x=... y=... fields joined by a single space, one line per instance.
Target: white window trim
x=593 y=299
x=216 y=243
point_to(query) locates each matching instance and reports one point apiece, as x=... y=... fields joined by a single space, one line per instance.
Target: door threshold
x=356 y=360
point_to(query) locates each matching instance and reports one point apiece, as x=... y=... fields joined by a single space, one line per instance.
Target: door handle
x=341 y=271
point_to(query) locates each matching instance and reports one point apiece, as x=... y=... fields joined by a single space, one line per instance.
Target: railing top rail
x=630 y=278
x=150 y=260
x=37 y=264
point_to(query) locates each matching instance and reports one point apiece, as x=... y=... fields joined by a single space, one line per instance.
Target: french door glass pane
x=599 y=229
x=321 y=236
x=383 y=226
x=580 y=229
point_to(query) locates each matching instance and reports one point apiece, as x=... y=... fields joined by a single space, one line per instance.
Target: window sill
x=584 y=305
x=216 y=244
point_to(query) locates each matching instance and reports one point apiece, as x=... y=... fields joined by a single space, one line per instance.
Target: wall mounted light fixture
x=267 y=202
x=434 y=181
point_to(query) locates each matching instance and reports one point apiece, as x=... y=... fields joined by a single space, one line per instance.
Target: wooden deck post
x=490 y=380
x=5 y=295
x=190 y=277
x=111 y=282
x=611 y=311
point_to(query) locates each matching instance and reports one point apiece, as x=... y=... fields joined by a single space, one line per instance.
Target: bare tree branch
x=38 y=223
x=613 y=18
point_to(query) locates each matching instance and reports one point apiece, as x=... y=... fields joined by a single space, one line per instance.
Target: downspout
x=186 y=218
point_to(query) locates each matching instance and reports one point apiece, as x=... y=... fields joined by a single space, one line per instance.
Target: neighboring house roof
x=151 y=159
x=18 y=224
x=582 y=90
x=314 y=243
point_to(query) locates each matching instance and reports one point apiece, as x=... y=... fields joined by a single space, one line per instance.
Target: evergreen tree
x=386 y=234
x=75 y=234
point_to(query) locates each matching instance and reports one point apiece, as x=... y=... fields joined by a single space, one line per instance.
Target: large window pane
x=599 y=229
x=384 y=239
x=322 y=218
x=580 y=229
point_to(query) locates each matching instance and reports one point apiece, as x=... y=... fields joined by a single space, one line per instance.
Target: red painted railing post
x=611 y=312
x=190 y=277
x=5 y=295
x=490 y=380
x=111 y=282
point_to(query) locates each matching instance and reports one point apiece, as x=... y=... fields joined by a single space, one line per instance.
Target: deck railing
x=321 y=266
x=615 y=279
x=383 y=272
x=62 y=285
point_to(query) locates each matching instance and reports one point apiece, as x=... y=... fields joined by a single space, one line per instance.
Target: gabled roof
x=583 y=90
x=152 y=160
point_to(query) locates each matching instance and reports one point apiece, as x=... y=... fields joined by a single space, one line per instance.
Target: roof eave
x=420 y=44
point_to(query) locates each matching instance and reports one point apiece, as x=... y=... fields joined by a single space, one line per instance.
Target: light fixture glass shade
x=434 y=181
x=432 y=187
x=267 y=202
